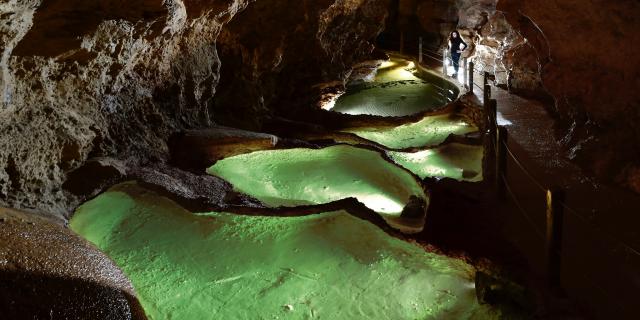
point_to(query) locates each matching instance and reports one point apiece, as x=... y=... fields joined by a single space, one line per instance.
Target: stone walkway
x=600 y=241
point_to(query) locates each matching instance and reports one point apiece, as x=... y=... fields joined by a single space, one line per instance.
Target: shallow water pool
x=454 y=160
x=396 y=91
x=294 y=177
x=214 y=265
x=429 y=131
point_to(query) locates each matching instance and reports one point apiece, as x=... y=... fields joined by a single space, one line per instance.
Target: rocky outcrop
x=200 y=149
x=278 y=57
x=437 y=18
x=589 y=68
x=82 y=79
x=48 y=272
x=501 y=49
x=85 y=79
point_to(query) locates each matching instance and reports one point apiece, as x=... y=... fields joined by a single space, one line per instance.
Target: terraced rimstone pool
x=226 y=266
x=294 y=177
x=397 y=91
x=429 y=131
x=458 y=161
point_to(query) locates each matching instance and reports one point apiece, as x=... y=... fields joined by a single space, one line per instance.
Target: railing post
x=554 y=216
x=486 y=86
x=444 y=62
x=465 y=71
x=420 y=49
x=502 y=136
x=471 y=83
x=486 y=93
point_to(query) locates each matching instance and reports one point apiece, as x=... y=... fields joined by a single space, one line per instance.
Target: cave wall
x=580 y=56
x=588 y=50
x=83 y=79
x=271 y=60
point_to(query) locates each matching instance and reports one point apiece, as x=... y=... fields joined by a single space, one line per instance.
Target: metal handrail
x=480 y=69
x=522 y=210
x=432 y=57
x=515 y=159
x=563 y=203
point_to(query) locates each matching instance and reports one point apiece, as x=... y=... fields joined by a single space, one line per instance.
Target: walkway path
x=600 y=258
x=601 y=243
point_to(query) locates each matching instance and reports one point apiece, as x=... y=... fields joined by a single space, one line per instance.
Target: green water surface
x=454 y=160
x=225 y=266
x=429 y=131
x=396 y=91
x=293 y=177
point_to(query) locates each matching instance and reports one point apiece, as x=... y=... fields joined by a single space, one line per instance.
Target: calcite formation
x=85 y=79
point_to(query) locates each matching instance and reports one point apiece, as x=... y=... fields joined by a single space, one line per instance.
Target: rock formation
x=587 y=54
x=577 y=54
x=83 y=79
x=277 y=56
x=47 y=271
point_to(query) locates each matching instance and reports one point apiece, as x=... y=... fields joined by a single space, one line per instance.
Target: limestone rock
x=115 y=79
x=586 y=49
x=277 y=56
x=200 y=149
x=578 y=53
x=48 y=272
x=86 y=79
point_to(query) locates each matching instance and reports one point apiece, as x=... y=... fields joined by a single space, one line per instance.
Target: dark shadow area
x=462 y=218
x=59 y=25
x=26 y=295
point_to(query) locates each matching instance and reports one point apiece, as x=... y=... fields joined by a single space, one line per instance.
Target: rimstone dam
x=319 y=159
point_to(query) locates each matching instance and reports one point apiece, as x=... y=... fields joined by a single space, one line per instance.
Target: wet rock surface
x=48 y=272
x=591 y=75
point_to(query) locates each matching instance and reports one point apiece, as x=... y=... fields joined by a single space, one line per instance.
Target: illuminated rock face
x=430 y=131
x=456 y=161
x=82 y=79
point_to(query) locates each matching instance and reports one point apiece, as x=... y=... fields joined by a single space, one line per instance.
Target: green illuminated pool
x=454 y=160
x=429 y=131
x=293 y=177
x=396 y=91
x=226 y=266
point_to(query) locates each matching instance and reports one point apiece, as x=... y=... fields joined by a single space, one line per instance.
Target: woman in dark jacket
x=456 y=46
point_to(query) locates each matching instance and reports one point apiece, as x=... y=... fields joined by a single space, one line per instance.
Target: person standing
x=456 y=46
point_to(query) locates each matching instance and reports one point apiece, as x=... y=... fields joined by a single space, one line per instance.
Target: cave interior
x=330 y=159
